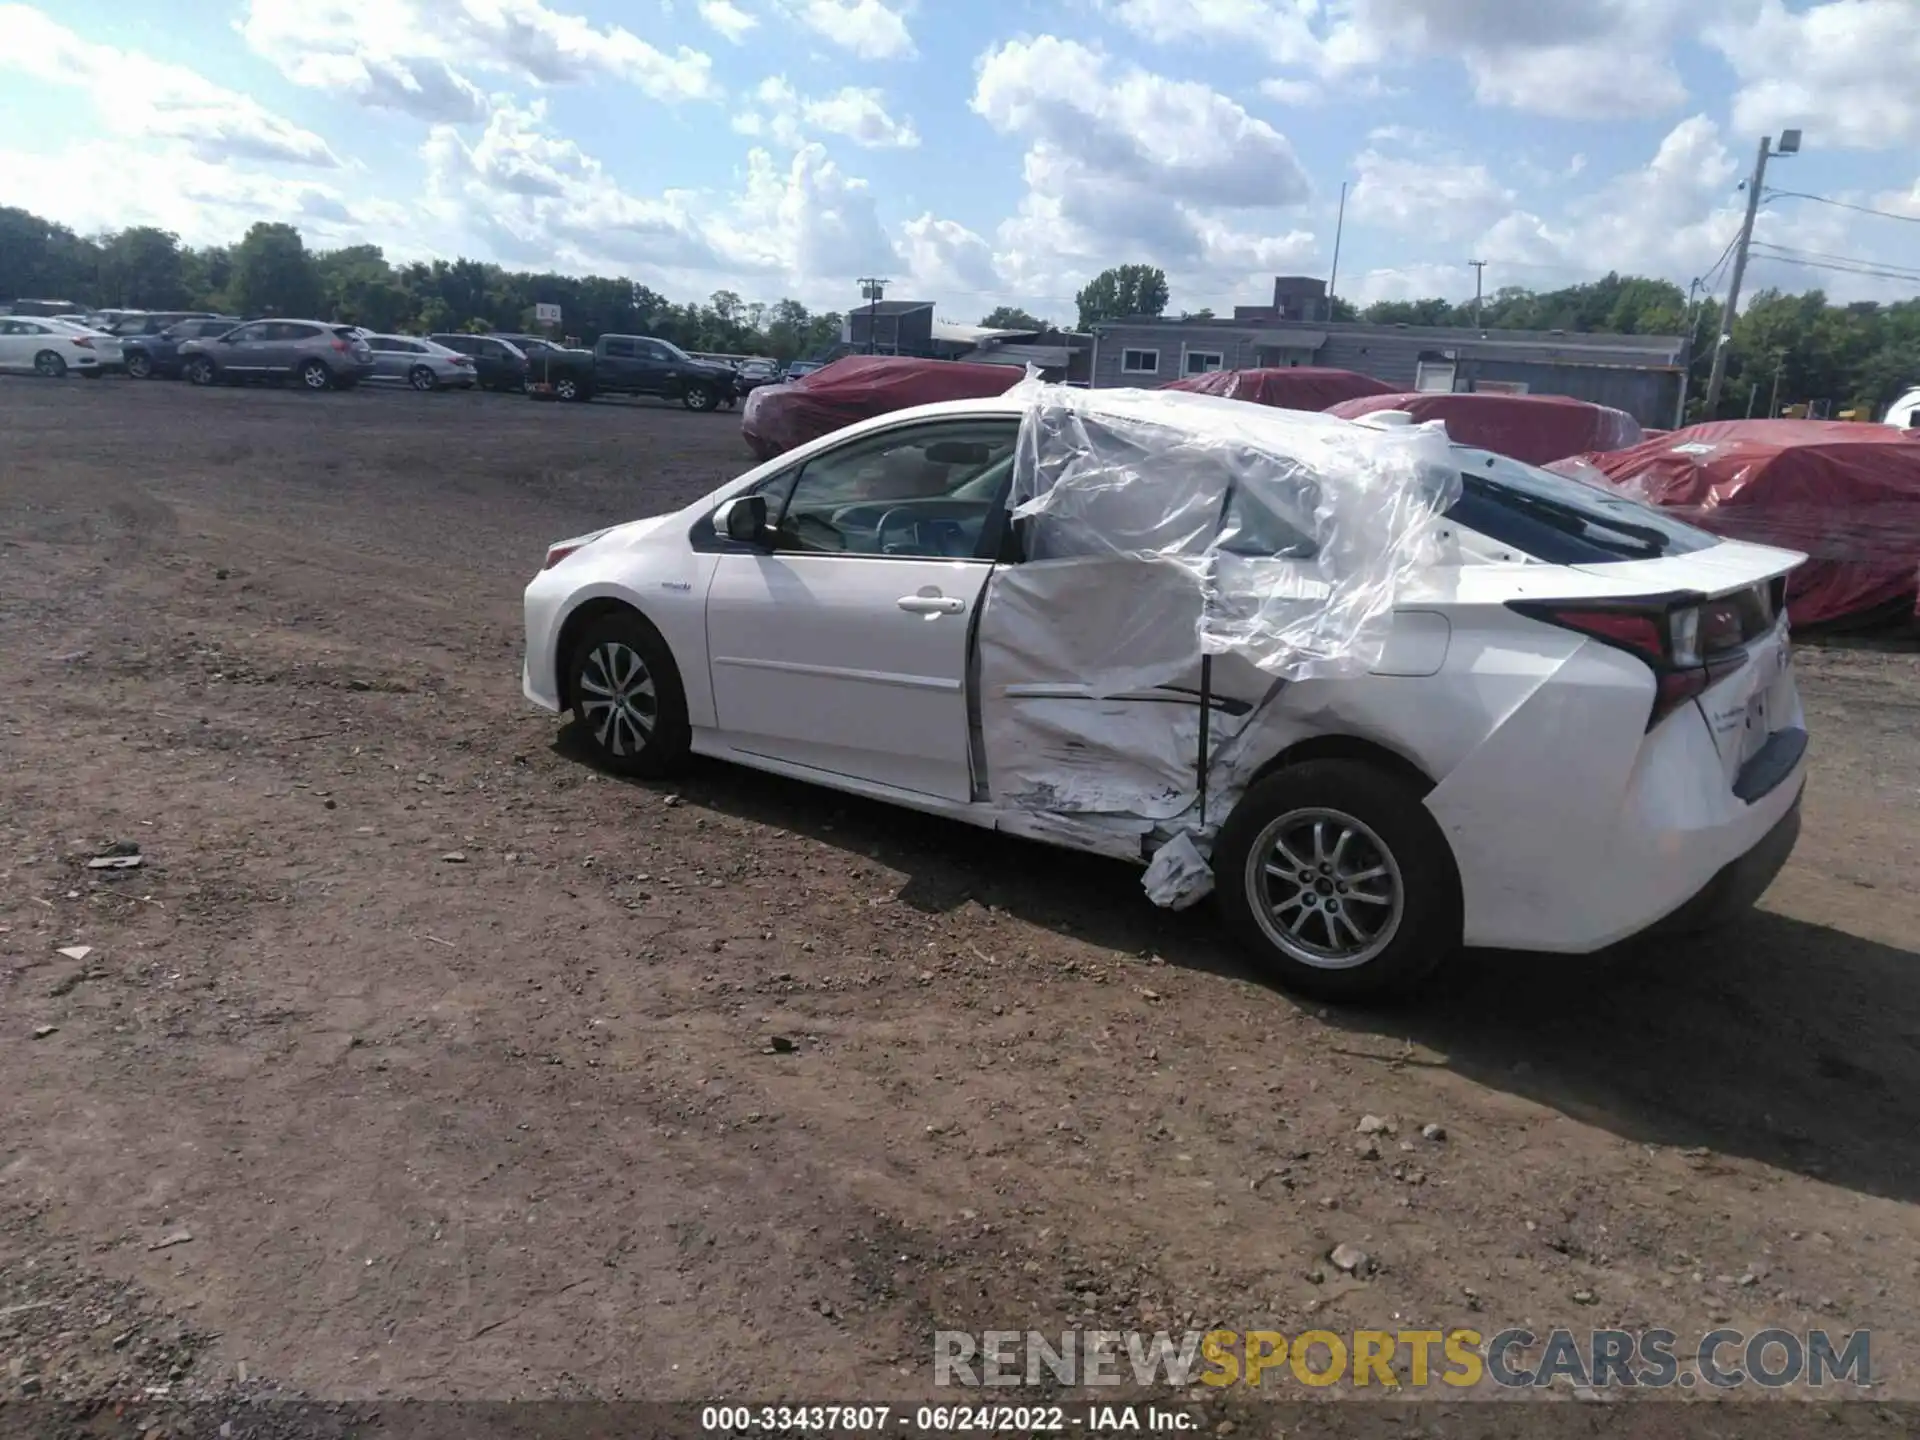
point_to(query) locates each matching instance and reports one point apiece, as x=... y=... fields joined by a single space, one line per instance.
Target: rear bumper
x=1739 y=883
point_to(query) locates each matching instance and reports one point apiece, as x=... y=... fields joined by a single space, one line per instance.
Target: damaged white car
x=1385 y=695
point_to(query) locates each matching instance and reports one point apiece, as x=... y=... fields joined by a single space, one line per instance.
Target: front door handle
x=931 y=605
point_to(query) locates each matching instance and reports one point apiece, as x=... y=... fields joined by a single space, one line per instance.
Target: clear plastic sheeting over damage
x=1290 y=531
x=1185 y=558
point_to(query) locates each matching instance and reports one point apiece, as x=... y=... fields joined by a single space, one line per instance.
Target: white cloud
x=1844 y=70
x=539 y=198
x=1291 y=92
x=84 y=186
x=870 y=29
x=860 y=115
x=146 y=99
x=806 y=219
x=945 y=258
x=1585 y=59
x=1441 y=198
x=727 y=18
x=1124 y=164
x=410 y=55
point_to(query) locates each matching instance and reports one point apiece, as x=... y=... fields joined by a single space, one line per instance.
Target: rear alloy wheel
x=699 y=397
x=316 y=376
x=627 y=696
x=200 y=372
x=49 y=364
x=421 y=378
x=1339 y=879
x=140 y=365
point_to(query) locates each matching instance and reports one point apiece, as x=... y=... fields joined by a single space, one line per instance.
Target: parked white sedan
x=1538 y=716
x=52 y=348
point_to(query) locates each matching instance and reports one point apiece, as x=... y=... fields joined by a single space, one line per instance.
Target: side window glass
x=621 y=348
x=931 y=491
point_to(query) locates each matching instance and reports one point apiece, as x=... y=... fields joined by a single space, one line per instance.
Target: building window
x=1200 y=362
x=1139 y=362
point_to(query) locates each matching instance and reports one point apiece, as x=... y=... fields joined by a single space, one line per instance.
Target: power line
x=1841 y=204
x=1800 y=254
x=1871 y=272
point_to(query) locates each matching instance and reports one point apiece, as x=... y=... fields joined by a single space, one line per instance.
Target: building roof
x=1441 y=336
x=889 y=307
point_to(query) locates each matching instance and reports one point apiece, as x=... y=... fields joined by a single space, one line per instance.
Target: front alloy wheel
x=627 y=697
x=567 y=388
x=699 y=397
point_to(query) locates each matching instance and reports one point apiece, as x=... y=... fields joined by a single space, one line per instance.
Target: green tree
x=1012 y=317
x=143 y=268
x=1122 y=291
x=273 y=274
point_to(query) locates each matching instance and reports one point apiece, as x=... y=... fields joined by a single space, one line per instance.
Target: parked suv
x=157 y=356
x=500 y=364
x=321 y=356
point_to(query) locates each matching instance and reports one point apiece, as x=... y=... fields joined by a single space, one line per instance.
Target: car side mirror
x=744 y=519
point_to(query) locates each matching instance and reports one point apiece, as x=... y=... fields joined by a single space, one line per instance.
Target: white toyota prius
x=1382 y=695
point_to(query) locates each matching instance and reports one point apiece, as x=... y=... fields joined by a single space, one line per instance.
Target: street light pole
x=1479 y=285
x=1789 y=145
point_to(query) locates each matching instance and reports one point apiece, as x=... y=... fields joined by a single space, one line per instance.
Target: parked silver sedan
x=422 y=364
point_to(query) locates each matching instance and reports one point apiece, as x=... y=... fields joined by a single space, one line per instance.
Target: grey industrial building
x=1641 y=374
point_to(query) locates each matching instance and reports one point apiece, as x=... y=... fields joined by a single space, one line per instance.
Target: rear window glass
x=1565 y=521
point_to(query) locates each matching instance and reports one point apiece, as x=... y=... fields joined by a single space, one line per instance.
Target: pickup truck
x=634 y=365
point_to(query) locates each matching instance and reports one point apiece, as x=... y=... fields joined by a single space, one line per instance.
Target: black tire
x=700 y=398
x=49 y=364
x=422 y=378
x=200 y=371
x=315 y=375
x=140 y=365
x=1349 y=947
x=608 y=645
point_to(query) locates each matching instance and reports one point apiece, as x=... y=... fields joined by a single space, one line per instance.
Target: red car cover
x=1298 y=387
x=779 y=417
x=1845 y=494
x=1535 y=429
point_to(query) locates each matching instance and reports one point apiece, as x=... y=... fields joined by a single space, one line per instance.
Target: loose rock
x=1350 y=1258
x=1433 y=1132
x=779 y=1045
x=1374 y=1125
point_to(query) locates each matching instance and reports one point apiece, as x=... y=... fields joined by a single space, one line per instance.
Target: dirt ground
x=416 y=1058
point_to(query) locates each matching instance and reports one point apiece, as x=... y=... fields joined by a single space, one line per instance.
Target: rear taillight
x=83 y=342
x=341 y=346
x=557 y=553
x=464 y=362
x=1688 y=645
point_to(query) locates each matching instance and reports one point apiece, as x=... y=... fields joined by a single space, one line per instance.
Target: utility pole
x=1686 y=370
x=872 y=287
x=1479 y=285
x=1789 y=145
x=1339 y=226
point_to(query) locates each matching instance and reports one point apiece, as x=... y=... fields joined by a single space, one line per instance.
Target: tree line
x=270 y=271
x=1796 y=348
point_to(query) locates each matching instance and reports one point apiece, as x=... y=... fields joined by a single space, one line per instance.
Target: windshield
x=1561 y=520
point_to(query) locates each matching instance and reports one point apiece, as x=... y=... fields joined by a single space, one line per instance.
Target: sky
x=986 y=152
